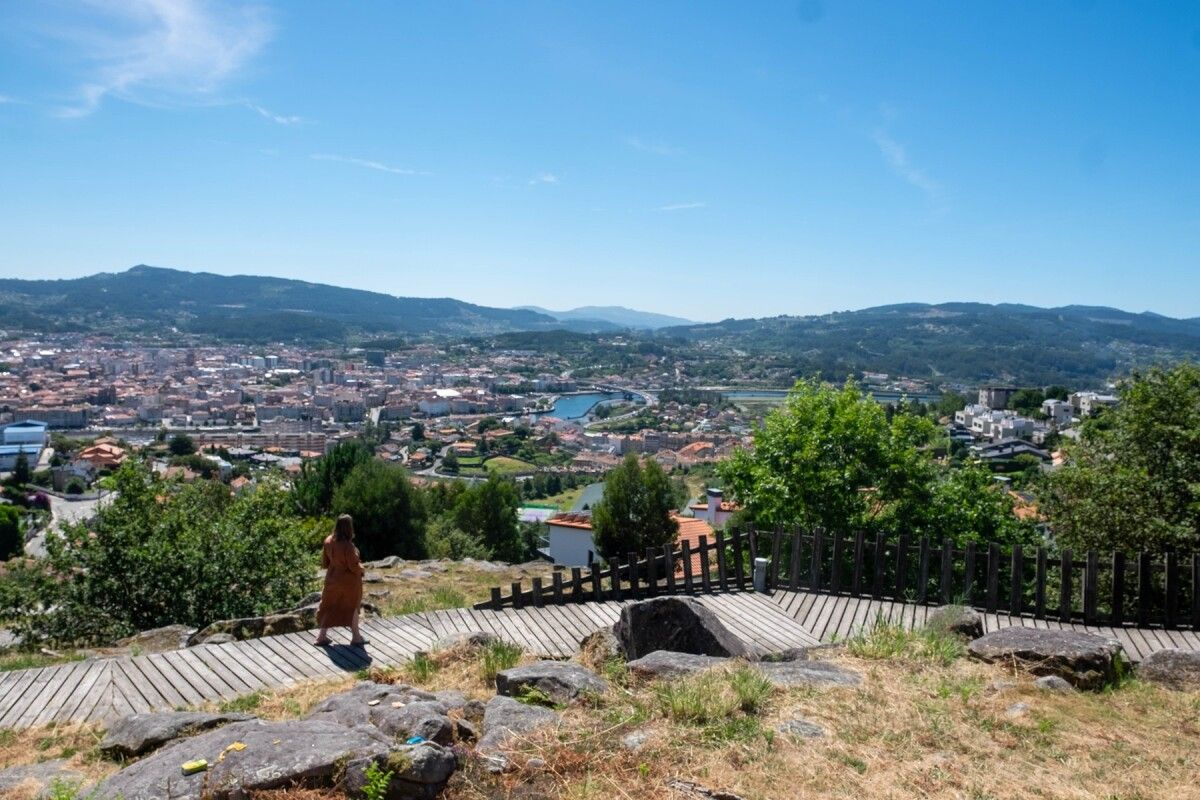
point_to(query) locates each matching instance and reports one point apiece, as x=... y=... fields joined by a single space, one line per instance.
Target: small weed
x=751 y=687
x=292 y=707
x=243 y=704
x=375 y=785
x=889 y=641
x=496 y=657
x=421 y=667
x=853 y=762
x=533 y=696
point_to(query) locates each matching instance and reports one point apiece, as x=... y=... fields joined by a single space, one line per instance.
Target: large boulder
x=560 y=681
x=141 y=733
x=397 y=710
x=666 y=664
x=961 y=621
x=158 y=640
x=600 y=647
x=789 y=674
x=678 y=624
x=307 y=753
x=1085 y=660
x=1174 y=669
x=505 y=717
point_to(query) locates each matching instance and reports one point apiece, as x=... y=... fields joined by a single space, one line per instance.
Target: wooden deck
x=831 y=617
x=107 y=689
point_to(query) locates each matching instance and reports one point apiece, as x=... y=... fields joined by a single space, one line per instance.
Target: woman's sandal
x=322 y=643
x=359 y=643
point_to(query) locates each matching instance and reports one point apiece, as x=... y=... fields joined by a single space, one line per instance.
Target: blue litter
x=414 y=740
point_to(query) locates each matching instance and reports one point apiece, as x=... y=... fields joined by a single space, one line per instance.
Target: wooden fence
x=1143 y=589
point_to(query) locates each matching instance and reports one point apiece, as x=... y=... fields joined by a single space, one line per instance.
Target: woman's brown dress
x=343 y=590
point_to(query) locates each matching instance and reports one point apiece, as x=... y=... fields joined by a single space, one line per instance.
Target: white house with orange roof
x=717 y=510
x=570 y=544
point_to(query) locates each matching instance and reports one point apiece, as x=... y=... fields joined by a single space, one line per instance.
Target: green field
x=509 y=466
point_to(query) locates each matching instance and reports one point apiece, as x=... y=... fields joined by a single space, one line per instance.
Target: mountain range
x=613 y=317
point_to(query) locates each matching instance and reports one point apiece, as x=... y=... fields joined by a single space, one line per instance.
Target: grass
x=565 y=500
x=889 y=641
x=496 y=657
x=459 y=586
x=505 y=465
x=24 y=659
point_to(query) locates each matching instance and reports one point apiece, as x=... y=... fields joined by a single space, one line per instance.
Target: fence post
x=835 y=566
x=993 y=577
x=969 y=573
x=614 y=574
x=669 y=567
x=877 y=568
x=947 y=580
x=576 y=584
x=597 y=587
x=818 y=558
x=633 y=576
x=794 y=566
x=651 y=572
x=772 y=576
x=1016 y=595
x=537 y=592
x=739 y=566
x=902 y=567
x=558 y=588
x=705 y=566
x=1117 y=616
x=497 y=603
x=1171 y=581
x=1066 y=565
x=923 y=570
x=856 y=578
x=1039 y=589
x=516 y=594
x=686 y=555
x=722 y=577
x=1091 y=588
x=1144 y=589
x=753 y=534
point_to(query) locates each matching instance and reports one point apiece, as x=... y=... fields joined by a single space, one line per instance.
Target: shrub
x=890 y=641
x=12 y=542
x=496 y=657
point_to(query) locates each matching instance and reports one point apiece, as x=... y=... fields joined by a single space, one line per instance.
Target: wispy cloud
x=366 y=163
x=160 y=52
x=279 y=119
x=6 y=99
x=681 y=206
x=896 y=156
x=657 y=148
x=543 y=178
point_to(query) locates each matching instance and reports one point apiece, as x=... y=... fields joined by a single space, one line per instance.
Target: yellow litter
x=236 y=746
x=372 y=702
x=397 y=704
x=192 y=767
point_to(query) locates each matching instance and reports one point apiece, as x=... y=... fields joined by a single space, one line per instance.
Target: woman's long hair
x=343 y=529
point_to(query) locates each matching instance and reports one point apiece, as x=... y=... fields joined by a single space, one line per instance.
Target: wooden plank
x=815 y=577
x=157 y=695
x=1091 y=579
x=705 y=567
x=722 y=574
x=311 y=667
x=286 y=675
x=69 y=709
x=794 y=577
x=993 y=577
x=147 y=668
x=125 y=693
x=201 y=691
x=248 y=682
x=1016 y=594
x=31 y=683
x=1039 y=588
x=56 y=691
x=8 y=681
x=739 y=566
x=225 y=688
x=773 y=573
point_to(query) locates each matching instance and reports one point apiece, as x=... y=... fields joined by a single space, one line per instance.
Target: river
x=577 y=406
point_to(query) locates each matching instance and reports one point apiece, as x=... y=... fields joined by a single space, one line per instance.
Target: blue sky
x=707 y=159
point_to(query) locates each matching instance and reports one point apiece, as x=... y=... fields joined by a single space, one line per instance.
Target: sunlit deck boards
x=837 y=617
x=104 y=690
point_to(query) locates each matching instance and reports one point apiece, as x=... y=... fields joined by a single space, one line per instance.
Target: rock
x=307 y=753
x=382 y=594
x=535 y=763
x=452 y=699
x=141 y=733
x=372 y=577
x=599 y=648
x=383 y=563
x=787 y=674
x=666 y=664
x=506 y=717
x=415 y=574
x=560 y=681
x=678 y=624
x=158 y=640
x=802 y=728
x=1052 y=683
x=1016 y=710
x=397 y=710
x=219 y=638
x=791 y=654
x=39 y=778
x=635 y=740
x=474 y=710
x=1174 y=669
x=474 y=640
x=465 y=731
x=1084 y=660
x=485 y=566
x=294 y=620
x=960 y=621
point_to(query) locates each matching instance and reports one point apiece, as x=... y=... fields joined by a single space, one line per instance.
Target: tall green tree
x=181 y=445
x=635 y=511
x=21 y=473
x=487 y=511
x=389 y=514
x=1132 y=481
x=314 y=488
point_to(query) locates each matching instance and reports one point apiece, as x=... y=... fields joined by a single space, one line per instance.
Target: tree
x=320 y=479
x=1057 y=393
x=181 y=445
x=635 y=511
x=488 y=512
x=969 y=505
x=418 y=432
x=160 y=555
x=1132 y=482
x=389 y=515
x=829 y=458
x=950 y=402
x=450 y=463
x=1026 y=401
x=12 y=542
x=21 y=473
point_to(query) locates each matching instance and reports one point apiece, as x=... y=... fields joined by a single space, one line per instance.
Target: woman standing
x=342 y=594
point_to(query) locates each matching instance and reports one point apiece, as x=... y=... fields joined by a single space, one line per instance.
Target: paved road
x=65 y=511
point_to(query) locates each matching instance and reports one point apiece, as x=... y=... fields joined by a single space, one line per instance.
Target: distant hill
x=614 y=316
x=241 y=308
x=971 y=342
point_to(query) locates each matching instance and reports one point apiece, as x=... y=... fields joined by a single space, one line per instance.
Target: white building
x=717 y=511
x=1059 y=412
x=569 y=540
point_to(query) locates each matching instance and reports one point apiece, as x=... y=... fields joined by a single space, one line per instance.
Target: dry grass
x=466 y=669
x=459 y=586
x=76 y=744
